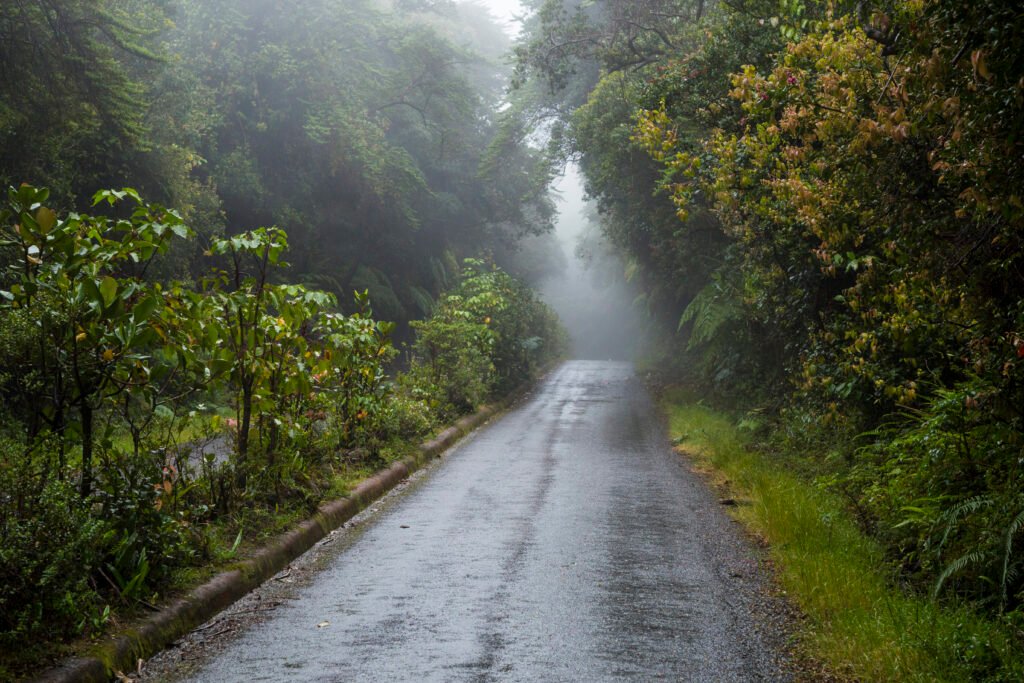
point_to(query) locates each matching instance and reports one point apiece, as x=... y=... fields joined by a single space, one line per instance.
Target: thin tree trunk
x=86 y=449
x=243 y=431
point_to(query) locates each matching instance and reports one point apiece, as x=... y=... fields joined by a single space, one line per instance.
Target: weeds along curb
x=122 y=652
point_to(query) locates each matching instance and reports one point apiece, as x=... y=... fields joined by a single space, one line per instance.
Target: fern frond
x=960 y=510
x=1015 y=526
x=956 y=566
x=709 y=311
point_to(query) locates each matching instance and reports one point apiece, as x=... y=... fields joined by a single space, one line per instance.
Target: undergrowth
x=859 y=621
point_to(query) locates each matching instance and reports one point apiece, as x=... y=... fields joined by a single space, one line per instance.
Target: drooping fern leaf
x=710 y=310
x=956 y=566
x=960 y=510
x=1010 y=573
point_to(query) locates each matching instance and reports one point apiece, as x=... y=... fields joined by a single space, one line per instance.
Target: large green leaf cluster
x=103 y=367
x=170 y=405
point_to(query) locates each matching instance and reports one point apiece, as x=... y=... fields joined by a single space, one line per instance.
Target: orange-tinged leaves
x=46 y=218
x=980 y=67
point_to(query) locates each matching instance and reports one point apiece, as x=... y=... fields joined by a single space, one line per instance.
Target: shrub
x=49 y=546
x=486 y=336
x=945 y=486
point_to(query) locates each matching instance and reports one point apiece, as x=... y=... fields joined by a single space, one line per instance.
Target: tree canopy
x=359 y=127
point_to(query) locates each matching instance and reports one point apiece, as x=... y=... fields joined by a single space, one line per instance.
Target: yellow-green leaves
x=108 y=290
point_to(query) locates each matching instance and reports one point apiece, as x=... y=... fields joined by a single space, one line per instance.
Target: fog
x=505 y=12
x=591 y=295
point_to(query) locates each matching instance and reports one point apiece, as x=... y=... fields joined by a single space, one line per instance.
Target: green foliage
x=357 y=129
x=453 y=358
x=84 y=64
x=885 y=289
x=918 y=482
x=485 y=337
x=50 y=543
x=858 y=621
x=710 y=311
x=836 y=226
x=105 y=376
x=81 y=278
x=148 y=531
x=360 y=129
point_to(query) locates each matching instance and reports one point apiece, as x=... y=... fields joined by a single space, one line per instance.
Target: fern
x=710 y=310
x=960 y=510
x=956 y=566
x=424 y=302
x=1010 y=573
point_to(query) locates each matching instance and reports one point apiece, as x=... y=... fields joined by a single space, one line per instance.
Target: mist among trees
x=821 y=202
x=253 y=250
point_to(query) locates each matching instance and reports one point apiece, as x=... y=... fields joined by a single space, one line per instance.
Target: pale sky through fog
x=503 y=11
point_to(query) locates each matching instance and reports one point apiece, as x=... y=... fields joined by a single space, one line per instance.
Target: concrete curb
x=122 y=652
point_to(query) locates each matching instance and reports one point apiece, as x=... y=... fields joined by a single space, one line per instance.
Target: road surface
x=564 y=541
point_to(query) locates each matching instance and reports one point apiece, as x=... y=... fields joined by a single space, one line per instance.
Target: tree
x=83 y=278
x=72 y=105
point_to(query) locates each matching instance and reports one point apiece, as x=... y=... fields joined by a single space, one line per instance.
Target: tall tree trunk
x=86 y=449
x=243 y=431
x=59 y=428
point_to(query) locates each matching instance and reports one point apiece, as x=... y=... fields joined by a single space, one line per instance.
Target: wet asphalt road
x=564 y=541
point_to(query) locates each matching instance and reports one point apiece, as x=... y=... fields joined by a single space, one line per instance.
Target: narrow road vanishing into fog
x=564 y=541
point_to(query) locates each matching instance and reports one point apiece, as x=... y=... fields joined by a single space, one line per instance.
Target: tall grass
x=858 y=621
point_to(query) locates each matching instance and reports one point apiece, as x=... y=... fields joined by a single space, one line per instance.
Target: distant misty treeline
x=368 y=130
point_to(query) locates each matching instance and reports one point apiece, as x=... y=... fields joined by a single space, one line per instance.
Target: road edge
x=123 y=652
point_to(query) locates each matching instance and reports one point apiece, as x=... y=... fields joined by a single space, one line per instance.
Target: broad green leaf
x=90 y=290
x=145 y=308
x=46 y=218
x=108 y=290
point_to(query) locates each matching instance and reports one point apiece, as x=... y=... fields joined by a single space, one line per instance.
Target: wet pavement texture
x=564 y=541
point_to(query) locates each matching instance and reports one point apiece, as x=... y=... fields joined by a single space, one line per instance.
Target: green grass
x=858 y=622
x=182 y=431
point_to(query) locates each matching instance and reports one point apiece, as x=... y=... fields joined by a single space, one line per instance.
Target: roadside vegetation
x=858 y=619
x=821 y=202
x=178 y=382
x=147 y=422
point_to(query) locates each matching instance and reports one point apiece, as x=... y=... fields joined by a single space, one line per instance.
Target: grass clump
x=859 y=620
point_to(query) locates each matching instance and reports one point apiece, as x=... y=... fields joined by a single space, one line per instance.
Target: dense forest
x=822 y=203
x=219 y=216
x=250 y=253
x=369 y=134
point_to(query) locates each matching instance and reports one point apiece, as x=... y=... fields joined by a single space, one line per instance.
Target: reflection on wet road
x=562 y=542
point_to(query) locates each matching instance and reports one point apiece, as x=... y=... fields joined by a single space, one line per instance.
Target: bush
x=407 y=416
x=147 y=534
x=945 y=486
x=486 y=336
x=49 y=546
